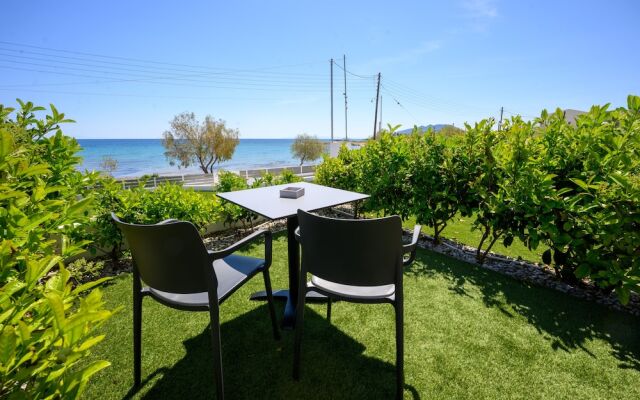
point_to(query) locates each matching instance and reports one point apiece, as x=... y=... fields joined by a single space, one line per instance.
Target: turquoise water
x=146 y=156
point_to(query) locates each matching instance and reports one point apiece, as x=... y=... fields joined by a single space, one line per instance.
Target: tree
x=108 y=164
x=189 y=142
x=307 y=147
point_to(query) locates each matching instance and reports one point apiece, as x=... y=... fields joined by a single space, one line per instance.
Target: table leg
x=291 y=295
x=293 y=253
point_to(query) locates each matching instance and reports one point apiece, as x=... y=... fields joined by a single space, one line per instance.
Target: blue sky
x=124 y=69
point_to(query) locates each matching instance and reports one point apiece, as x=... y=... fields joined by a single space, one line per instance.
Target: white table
x=266 y=201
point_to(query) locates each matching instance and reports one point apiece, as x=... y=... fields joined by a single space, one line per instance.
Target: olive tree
x=108 y=164
x=306 y=147
x=189 y=142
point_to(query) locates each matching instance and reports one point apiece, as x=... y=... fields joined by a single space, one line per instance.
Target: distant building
x=333 y=148
x=571 y=115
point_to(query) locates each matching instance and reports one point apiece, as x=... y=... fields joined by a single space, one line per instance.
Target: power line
x=151 y=61
x=401 y=106
x=167 y=82
x=368 y=77
x=147 y=96
x=54 y=63
x=420 y=104
x=431 y=99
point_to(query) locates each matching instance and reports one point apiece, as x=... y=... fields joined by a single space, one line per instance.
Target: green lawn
x=460 y=229
x=470 y=333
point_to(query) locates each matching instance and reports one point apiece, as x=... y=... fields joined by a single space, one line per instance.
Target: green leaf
x=623 y=294
x=582 y=271
x=89 y=285
x=8 y=339
x=508 y=240
x=79 y=207
x=55 y=301
x=546 y=257
x=583 y=185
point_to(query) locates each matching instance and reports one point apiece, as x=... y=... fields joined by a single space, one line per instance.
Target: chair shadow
x=565 y=321
x=257 y=366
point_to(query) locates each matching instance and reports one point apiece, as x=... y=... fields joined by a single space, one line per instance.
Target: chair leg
x=137 y=338
x=399 y=309
x=214 y=313
x=272 y=308
x=329 y=309
x=302 y=294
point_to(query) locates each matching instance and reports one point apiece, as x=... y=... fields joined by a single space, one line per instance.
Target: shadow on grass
x=257 y=366
x=567 y=322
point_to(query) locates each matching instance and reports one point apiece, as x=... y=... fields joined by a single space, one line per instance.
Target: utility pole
x=500 y=123
x=331 y=63
x=375 y=118
x=380 y=122
x=344 y=68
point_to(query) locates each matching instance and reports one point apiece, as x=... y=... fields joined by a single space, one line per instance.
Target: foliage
x=144 y=206
x=343 y=171
x=82 y=270
x=385 y=175
x=189 y=142
x=267 y=179
x=108 y=164
x=231 y=213
x=436 y=182
x=450 y=130
x=574 y=188
x=47 y=327
x=306 y=147
x=592 y=224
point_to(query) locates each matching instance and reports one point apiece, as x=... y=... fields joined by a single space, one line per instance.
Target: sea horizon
x=136 y=157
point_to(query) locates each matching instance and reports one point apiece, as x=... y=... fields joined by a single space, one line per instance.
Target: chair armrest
x=411 y=247
x=245 y=241
x=167 y=221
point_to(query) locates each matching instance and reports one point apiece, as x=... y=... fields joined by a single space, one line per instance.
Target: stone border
x=536 y=274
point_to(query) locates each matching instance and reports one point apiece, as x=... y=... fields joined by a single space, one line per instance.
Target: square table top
x=266 y=201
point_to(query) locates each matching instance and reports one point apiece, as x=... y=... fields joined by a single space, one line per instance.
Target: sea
x=136 y=157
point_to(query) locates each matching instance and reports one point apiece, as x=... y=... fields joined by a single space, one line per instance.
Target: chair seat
x=231 y=272
x=385 y=292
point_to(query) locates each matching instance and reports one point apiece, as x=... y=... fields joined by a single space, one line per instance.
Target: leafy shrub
x=385 y=175
x=573 y=188
x=82 y=270
x=287 y=176
x=592 y=223
x=231 y=213
x=341 y=172
x=144 y=206
x=435 y=184
x=47 y=327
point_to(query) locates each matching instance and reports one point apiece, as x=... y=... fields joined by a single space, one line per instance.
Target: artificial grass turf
x=470 y=333
x=461 y=230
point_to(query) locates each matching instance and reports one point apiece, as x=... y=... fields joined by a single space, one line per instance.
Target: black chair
x=179 y=272
x=354 y=260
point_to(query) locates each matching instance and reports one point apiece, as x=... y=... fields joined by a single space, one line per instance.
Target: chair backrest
x=351 y=252
x=170 y=257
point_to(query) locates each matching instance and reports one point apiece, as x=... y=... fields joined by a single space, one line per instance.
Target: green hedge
x=48 y=326
x=144 y=206
x=574 y=187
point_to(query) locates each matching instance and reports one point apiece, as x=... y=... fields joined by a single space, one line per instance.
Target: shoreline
x=139 y=157
x=248 y=173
